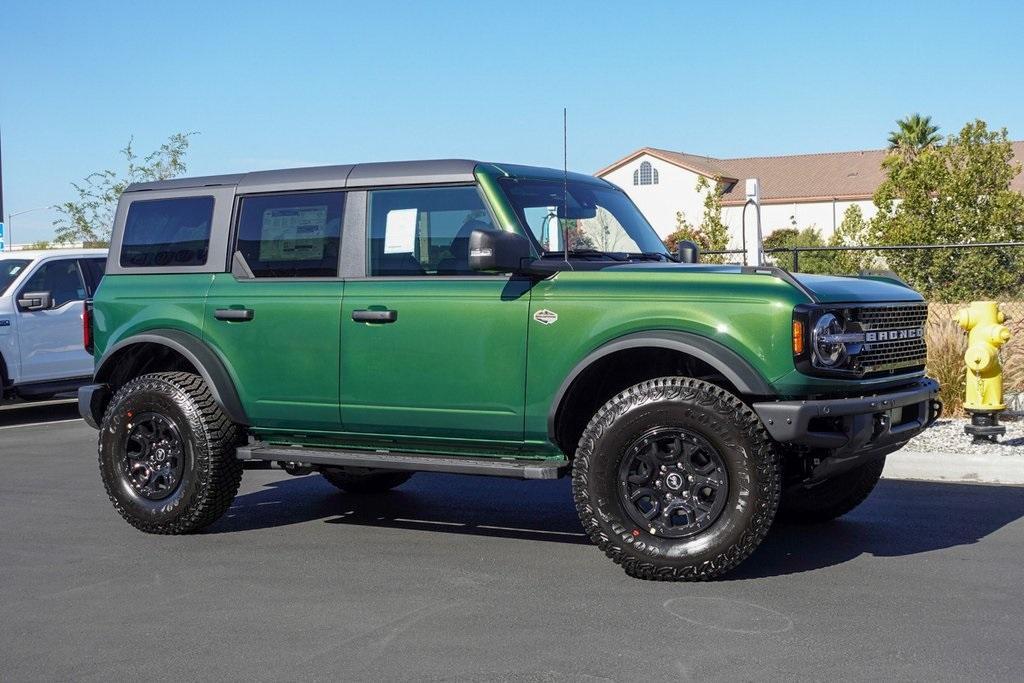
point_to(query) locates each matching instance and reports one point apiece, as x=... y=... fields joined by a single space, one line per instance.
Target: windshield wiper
x=614 y=255
x=648 y=256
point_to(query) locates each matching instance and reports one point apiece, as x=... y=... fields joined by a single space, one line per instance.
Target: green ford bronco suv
x=371 y=321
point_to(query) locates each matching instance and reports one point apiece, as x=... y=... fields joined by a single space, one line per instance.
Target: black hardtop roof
x=353 y=175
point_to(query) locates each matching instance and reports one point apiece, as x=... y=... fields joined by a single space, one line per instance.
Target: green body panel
x=285 y=360
x=597 y=307
x=837 y=289
x=131 y=304
x=453 y=365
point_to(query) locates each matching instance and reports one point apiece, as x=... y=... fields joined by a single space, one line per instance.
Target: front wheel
x=167 y=454
x=676 y=479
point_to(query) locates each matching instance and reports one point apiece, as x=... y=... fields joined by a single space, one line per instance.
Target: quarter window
x=291 y=235
x=161 y=233
x=60 y=278
x=424 y=231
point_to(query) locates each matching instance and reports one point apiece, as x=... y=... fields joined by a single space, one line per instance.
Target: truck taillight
x=87 y=325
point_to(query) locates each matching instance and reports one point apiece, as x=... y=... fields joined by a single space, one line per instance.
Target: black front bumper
x=846 y=426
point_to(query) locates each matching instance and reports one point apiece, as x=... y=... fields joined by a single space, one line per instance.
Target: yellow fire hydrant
x=983 y=322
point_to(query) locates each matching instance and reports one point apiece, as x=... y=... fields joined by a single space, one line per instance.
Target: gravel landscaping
x=947 y=436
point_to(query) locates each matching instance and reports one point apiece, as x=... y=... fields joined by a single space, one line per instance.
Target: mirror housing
x=577 y=212
x=35 y=301
x=498 y=251
x=687 y=251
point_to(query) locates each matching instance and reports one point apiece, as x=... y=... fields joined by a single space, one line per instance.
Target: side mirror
x=498 y=251
x=35 y=301
x=687 y=251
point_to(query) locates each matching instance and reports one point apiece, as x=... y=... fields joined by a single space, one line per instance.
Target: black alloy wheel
x=673 y=482
x=154 y=455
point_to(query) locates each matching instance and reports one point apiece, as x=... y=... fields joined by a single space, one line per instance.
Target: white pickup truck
x=41 y=295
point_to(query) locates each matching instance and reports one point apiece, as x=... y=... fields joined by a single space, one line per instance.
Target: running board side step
x=415 y=462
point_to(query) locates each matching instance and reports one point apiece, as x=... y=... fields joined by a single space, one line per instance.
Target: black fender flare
x=198 y=353
x=730 y=364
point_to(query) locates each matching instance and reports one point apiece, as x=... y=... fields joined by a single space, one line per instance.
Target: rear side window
x=160 y=233
x=291 y=235
x=92 y=270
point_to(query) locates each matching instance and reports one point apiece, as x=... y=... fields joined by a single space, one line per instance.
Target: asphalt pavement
x=470 y=578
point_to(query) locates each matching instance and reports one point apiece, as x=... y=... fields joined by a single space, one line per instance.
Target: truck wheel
x=167 y=454
x=833 y=497
x=365 y=480
x=676 y=479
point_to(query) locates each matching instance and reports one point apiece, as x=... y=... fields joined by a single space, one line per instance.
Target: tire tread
x=728 y=407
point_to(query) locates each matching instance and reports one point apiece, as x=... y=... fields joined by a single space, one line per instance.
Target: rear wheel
x=833 y=497
x=167 y=454
x=676 y=479
x=364 y=479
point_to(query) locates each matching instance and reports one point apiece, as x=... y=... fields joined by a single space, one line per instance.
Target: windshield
x=596 y=217
x=9 y=270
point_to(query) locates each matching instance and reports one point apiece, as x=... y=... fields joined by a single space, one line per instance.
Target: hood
x=826 y=288
x=837 y=289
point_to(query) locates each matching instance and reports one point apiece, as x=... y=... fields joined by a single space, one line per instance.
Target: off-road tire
x=210 y=471
x=748 y=452
x=832 y=498
x=365 y=481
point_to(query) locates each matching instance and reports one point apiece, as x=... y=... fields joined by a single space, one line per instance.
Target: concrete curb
x=954 y=467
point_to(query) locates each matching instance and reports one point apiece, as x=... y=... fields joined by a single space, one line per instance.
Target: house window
x=645 y=175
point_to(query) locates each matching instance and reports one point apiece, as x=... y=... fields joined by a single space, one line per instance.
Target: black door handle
x=365 y=316
x=239 y=315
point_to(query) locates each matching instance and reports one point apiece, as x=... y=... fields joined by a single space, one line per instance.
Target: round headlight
x=828 y=353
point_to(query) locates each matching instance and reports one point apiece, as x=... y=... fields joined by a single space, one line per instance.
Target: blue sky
x=301 y=83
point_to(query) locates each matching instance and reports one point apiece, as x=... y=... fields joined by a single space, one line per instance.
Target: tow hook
x=881 y=424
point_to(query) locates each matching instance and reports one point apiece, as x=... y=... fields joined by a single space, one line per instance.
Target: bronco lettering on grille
x=894 y=335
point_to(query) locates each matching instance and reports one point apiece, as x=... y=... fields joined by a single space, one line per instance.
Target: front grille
x=888 y=355
x=891 y=317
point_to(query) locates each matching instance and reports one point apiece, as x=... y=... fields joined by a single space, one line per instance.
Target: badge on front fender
x=545 y=317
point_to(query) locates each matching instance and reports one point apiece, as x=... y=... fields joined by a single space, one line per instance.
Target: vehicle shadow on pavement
x=481 y=506
x=25 y=413
x=900 y=518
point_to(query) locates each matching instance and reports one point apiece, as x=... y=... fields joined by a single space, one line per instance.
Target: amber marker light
x=798 y=337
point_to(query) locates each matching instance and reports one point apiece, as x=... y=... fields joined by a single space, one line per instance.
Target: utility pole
x=3 y=234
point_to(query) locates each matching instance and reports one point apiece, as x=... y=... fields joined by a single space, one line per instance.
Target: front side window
x=161 y=233
x=291 y=235
x=10 y=269
x=424 y=231
x=61 y=279
x=595 y=217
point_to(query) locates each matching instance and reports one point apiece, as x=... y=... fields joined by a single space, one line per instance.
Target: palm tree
x=913 y=135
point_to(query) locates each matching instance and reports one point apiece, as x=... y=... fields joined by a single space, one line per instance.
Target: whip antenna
x=565 y=183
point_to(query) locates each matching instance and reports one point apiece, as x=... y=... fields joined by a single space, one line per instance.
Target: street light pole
x=10 y=229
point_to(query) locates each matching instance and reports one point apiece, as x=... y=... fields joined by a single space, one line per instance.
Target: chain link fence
x=950 y=276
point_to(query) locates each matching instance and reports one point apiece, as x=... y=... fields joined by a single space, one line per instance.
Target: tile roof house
x=805 y=189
